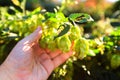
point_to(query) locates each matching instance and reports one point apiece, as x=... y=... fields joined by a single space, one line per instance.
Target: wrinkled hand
x=27 y=61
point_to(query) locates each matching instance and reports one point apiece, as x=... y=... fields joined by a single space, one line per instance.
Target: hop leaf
x=64 y=31
x=80 y=18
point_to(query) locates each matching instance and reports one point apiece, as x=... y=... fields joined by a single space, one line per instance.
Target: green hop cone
x=74 y=33
x=81 y=48
x=45 y=40
x=52 y=23
x=64 y=43
x=115 y=61
x=52 y=45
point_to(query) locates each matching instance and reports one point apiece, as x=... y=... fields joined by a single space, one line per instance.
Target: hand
x=28 y=61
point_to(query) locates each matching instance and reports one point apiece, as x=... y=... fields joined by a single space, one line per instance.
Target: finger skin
x=33 y=37
x=61 y=58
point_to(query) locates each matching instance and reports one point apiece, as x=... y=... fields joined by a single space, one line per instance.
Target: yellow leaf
x=16 y=2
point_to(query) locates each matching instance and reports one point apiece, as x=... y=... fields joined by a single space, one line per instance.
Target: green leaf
x=64 y=31
x=35 y=12
x=49 y=15
x=80 y=18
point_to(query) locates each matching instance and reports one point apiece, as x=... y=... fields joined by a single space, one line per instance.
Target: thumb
x=35 y=36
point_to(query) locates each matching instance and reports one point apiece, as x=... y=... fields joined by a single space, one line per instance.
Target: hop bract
x=81 y=48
